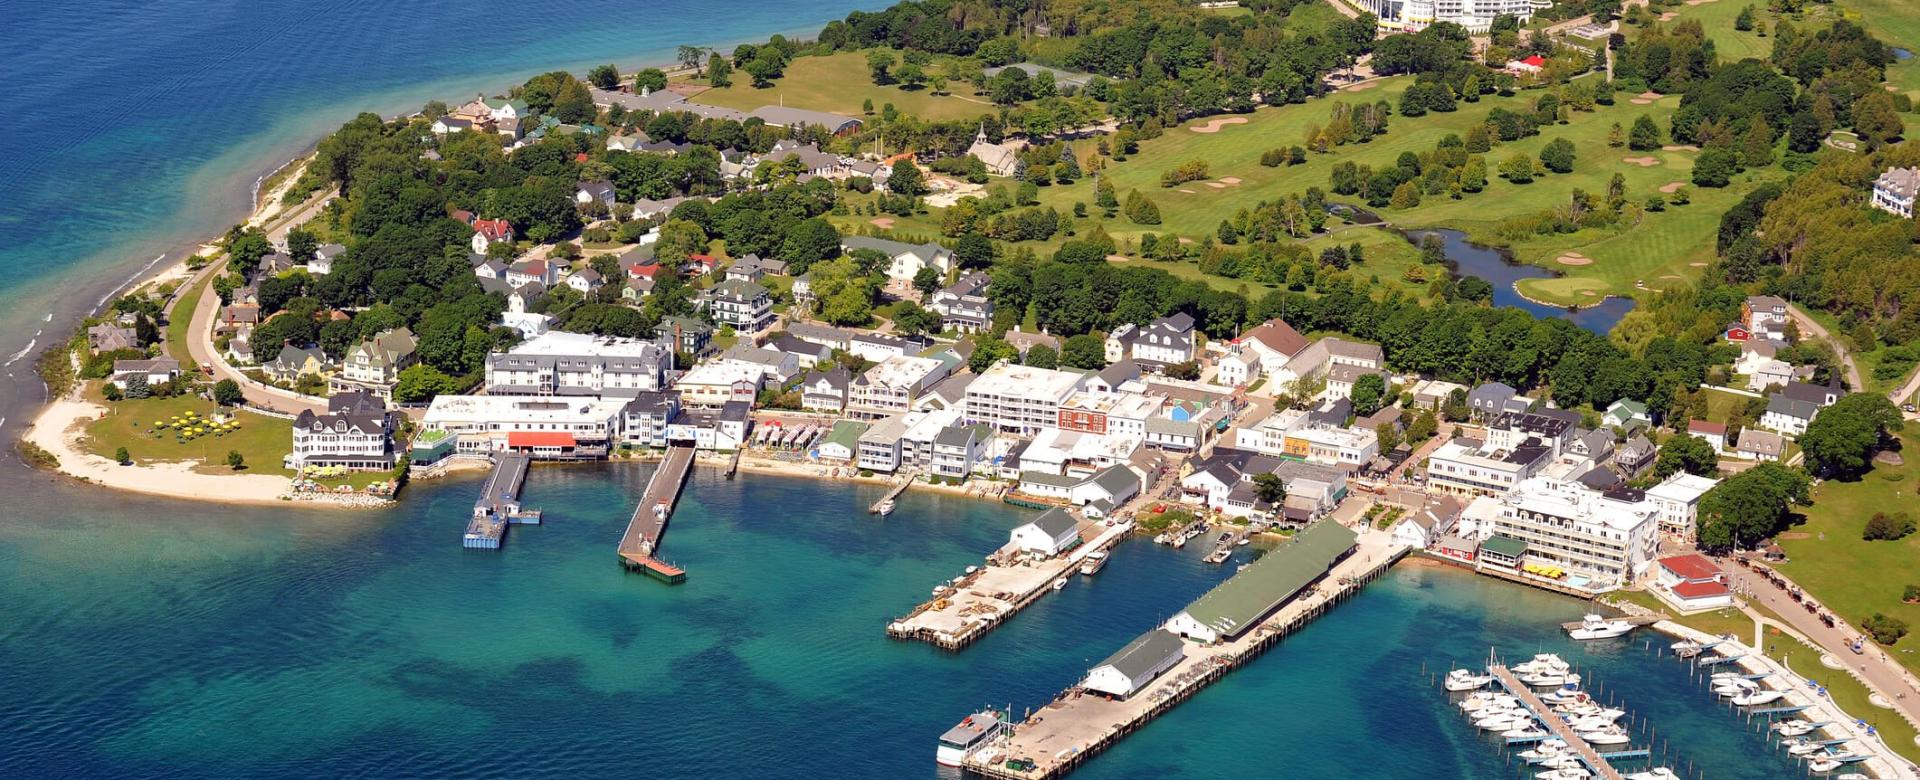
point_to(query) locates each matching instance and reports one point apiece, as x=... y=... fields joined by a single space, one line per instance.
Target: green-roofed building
x=1241 y=602
x=1502 y=552
x=843 y=442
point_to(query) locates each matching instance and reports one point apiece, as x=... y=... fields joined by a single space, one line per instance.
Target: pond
x=1498 y=268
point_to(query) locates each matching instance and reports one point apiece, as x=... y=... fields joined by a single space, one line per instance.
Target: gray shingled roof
x=1145 y=653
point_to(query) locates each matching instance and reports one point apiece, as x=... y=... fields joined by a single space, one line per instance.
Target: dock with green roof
x=1277 y=595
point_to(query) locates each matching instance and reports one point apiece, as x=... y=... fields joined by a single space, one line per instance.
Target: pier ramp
x=640 y=545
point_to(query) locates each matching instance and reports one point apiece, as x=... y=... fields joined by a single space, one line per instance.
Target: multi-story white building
x=1475 y=15
x=1165 y=341
x=1470 y=467
x=1021 y=399
x=745 y=305
x=375 y=364
x=1677 y=500
x=562 y=363
x=646 y=417
x=1894 y=191
x=715 y=382
x=1293 y=433
x=890 y=386
x=963 y=306
x=1610 y=538
x=491 y=423
x=358 y=441
x=1112 y=413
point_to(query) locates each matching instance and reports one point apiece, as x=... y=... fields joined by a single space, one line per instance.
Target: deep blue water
x=281 y=643
x=137 y=129
x=1470 y=259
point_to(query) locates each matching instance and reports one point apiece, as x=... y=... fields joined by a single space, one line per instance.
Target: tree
x=1885 y=527
x=1388 y=434
x=1270 y=488
x=1744 y=22
x=235 y=460
x=878 y=63
x=1645 y=135
x=122 y=457
x=691 y=56
x=1367 y=394
x=679 y=240
x=1405 y=196
x=1140 y=210
x=719 y=72
x=650 y=79
x=1716 y=168
x=1842 y=438
x=987 y=351
x=1558 y=155
x=844 y=293
x=1750 y=506
x=604 y=76
x=913 y=319
x=226 y=392
x=1690 y=454
x=1876 y=119
x=907 y=179
x=1042 y=356
x=1883 y=629
x=1084 y=351
x=420 y=382
x=927 y=279
x=1517 y=168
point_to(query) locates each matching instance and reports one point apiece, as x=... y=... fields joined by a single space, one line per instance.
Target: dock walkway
x=499 y=503
x=1596 y=764
x=994 y=593
x=1076 y=726
x=893 y=492
x=640 y=546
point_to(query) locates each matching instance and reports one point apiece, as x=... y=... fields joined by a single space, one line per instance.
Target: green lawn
x=262 y=440
x=183 y=316
x=1898 y=23
x=1658 y=252
x=1312 y=17
x=1717 y=19
x=838 y=83
x=1857 y=578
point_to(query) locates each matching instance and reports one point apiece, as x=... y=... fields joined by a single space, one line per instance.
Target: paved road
x=1808 y=327
x=1879 y=670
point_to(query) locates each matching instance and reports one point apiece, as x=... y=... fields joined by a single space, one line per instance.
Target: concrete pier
x=1078 y=725
x=986 y=598
x=640 y=546
x=499 y=503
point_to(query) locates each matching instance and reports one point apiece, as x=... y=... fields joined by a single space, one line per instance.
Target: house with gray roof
x=107 y=337
x=1163 y=342
x=151 y=371
x=1490 y=399
x=1787 y=415
x=359 y=440
x=906 y=259
x=957 y=449
x=1054 y=532
x=1146 y=657
x=294 y=362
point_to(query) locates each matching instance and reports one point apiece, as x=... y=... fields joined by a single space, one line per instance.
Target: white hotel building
x=1020 y=399
x=1475 y=15
x=1611 y=538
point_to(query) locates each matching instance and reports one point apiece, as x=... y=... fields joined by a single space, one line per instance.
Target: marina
x=1082 y=722
x=640 y=546
x=499 y=504
x=1574 y=741
x=967 y=607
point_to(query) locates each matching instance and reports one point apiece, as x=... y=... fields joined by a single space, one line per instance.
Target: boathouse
x=1137 y=664
x=1055 y=531
x=1239 y=603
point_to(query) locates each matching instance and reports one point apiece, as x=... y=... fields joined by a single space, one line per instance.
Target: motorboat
x=1564 y=761
x=1095 y=560
x=970 y=734
x=1656 y=773
x=1465 y=680
x=1540 y=663
x=1548 y=749
x=885 y=508
x=1793 y=728
x=1569 y=773
x=1685 y=648
x=1591 y=723
x=1758 y=698
x=1525 y=732
x=1060 y=583
x=1567 y=694
x=1550 y=679
x=1487 y=701
x=1739 y=688
x=1804 y=747
x=972 y=569
x=1830 y=763
x=1611 y=735
x=1597 y=627
x=1501 y=721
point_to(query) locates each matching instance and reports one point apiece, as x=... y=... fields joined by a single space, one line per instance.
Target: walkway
x=1878 y=670
x=1808 y=327
x=1555 y=723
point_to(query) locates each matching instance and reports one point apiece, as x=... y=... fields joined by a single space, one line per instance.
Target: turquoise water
x=200 y=641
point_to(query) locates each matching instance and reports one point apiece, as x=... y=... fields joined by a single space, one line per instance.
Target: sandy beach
x=56 y=430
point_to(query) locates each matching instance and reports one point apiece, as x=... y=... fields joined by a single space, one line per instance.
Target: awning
x=518 y=439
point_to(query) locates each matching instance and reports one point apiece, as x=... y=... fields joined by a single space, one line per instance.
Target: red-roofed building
x=700 y=265
x=1692 y=583
x=1532 y=64
x=637 y=270
x=1715 y=433
x=541 y=443
x=488 y=231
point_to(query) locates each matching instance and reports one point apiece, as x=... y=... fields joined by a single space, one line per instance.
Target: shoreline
x=55 y=430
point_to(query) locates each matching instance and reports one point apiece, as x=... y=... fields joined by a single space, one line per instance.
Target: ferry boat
x=1094 y=562
x=1597 y=627
x=969 y=735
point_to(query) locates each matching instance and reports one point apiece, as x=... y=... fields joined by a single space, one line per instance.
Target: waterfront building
x=1020 y=399
x=374 y=365
x=825 y=391
x=958 y=449
x=550 y=427
x=1163 y=342
x=1691 y=583
x=1893 y=191
x=644 y=420
x=1609 y=538
x=148 y=372
x=562 y=363
x=879 y=446
x=107 y=337
x=1240 y=603
x=713 y=430
x=842 y=443
x=1424 y=527
x=1137 y=664
x=891 y=385
x=714 y=383
x=1054 y=532
x=357 y=439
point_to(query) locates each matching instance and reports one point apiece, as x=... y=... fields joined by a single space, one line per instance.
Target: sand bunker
x=1588 y=292
x=1698 y=2
x=1644 y=162
x=1669 y=16
x=1650 y=95
x=1117 y=258
x=1187 y=191
x=1216 y=185
x=1680 y=148
x=1672 y=187
x=1573 y=258
x=1229 y=180
x=1640 y=101
x=883 y=223
x=1214 y=125
x=1697 y=265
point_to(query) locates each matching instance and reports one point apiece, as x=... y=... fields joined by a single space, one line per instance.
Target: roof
x=889 y=247
x=1693 y=566
x=1702 y=426
x=1790 y=407
x=954 y=436
x=1761 y=442
x=1055 y=522
x=1699 y=590
x=1145 y=653
x=1044 y=478
x=1501 y=545
x=785 y=116
x=1813 y=394
x=846 y=433
x=1354 y=349
x=539 y=439
x=1120 y=373
x=1236 y=604
x=1117 y=480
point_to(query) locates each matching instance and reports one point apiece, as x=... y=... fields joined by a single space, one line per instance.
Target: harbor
x=1322 y=567
x=499 y=504
x=964 y=609
x=640 y=545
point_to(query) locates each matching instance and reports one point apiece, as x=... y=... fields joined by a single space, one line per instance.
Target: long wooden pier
x=1596 y=763
x=499 y=503
x=893 y=492
x=1076 y=726
x=640 y=546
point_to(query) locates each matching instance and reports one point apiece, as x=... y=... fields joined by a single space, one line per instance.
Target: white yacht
x=1540 y=663
x=1095 y=560
x=1547 y=750
x=1793 y=728
x=1465 y=680
x=1830 y=763
x=1502 y=721
x=1612 y=735
x=1656 y=773
x=1550 y=679
x=1597 y=627
x=969 y=735
x=1060 y=583
x=1568 y=694
x=1532 y=731
x=1758 y=698
x=1803 y=747
x=885 y=508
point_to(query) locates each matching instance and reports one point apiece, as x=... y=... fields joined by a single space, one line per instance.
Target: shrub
x=1273 y=158
x=1883 y=526
x=1912 y=595
x=122 y=457
x=1191 y=170
x=1883 y=629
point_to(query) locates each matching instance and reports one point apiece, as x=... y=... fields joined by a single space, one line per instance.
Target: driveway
x=1808 y=327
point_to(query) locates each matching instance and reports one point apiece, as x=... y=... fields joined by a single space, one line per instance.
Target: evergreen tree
x=1645 y=135
x=1756 y=146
